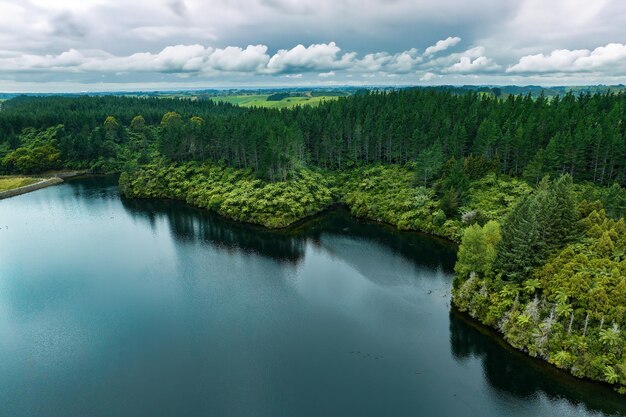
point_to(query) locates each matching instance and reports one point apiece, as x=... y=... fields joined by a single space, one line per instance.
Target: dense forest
x=520 y=136
x=530 y=186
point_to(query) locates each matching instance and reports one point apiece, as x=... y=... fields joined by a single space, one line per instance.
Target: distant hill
x=533 y=90
x=279 y=94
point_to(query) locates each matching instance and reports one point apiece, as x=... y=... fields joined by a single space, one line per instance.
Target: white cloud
x=557 y=24
x=373 y=62
x=556 y=61
x=172 y=59
x=445 y=61
x=603 y=57
x=234 y=59
x=65 y=40
x=429 y=76
x=66 y=61
x=326 y=59
x=442 y=45
x=467 y=65
x=609 y=58
x=114 y=41
x=318 y=57
x=160 y=40
x=403 y=62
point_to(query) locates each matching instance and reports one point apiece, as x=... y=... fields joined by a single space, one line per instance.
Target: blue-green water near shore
x=112 y=307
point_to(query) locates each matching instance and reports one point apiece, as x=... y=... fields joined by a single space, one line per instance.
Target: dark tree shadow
x=515 y=373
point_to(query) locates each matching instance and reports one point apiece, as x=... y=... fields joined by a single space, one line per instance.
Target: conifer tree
x=519 y=250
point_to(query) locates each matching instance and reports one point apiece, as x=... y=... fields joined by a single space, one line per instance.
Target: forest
x=531 y=187
x=521 y=136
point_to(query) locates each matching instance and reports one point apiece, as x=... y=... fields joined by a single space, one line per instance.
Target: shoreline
x=491 y=331
x=303 y=222
x=534 y=362
x=46 y=181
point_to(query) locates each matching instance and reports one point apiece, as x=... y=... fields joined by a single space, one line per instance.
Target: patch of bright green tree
x=231 y=192
x=551 y=278
x=37 y=152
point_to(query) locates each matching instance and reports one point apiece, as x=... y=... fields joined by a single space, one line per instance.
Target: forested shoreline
x=531 y=187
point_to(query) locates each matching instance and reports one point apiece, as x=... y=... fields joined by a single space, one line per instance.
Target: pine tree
x=429 y=163
x=519 y=250
x=565 y=216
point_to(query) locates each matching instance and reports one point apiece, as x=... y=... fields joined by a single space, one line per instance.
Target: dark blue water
x=110 y=307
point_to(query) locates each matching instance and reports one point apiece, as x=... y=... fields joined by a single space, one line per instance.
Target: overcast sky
x=99 y=45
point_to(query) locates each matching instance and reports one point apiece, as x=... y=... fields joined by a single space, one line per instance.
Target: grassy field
x=9 y=183
x=260 y=100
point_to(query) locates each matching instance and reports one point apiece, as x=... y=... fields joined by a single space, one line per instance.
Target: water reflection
x=514 y=373
x=189 y=224
x=192 y=224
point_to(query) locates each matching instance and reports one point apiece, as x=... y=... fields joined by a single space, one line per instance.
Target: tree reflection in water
x=514 y=373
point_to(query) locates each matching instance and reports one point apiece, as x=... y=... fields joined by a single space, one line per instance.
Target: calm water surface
x=110 y=307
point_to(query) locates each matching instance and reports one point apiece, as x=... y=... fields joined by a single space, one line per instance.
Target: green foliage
x=38 y=152
x=476 y=167
x=429 y=163
x=493 y=196
x=110 y=124
x=138 y=123
x=381 y=193
x=580 y=135
x=277 y=96
x=232 y=193
x=287 y=101
x=537 y=225
x=567 y=302
x=610 y=375
x=449 y=202
x=478 y=250
x=520 y=249
x=613 y=198
x=388 y=194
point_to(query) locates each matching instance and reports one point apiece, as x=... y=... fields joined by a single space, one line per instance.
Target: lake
x=113 y=307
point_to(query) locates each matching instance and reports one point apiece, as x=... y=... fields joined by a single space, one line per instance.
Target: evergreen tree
x=520 y=249
x=429 y=163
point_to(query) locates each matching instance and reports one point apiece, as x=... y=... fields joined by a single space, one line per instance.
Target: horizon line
x=296 y=87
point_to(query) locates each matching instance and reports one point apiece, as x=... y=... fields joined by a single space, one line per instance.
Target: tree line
x=582 y=135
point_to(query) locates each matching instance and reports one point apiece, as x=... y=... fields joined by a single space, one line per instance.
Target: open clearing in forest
x=260 y=100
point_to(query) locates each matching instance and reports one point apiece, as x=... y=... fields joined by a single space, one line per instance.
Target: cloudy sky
x=99 y=45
